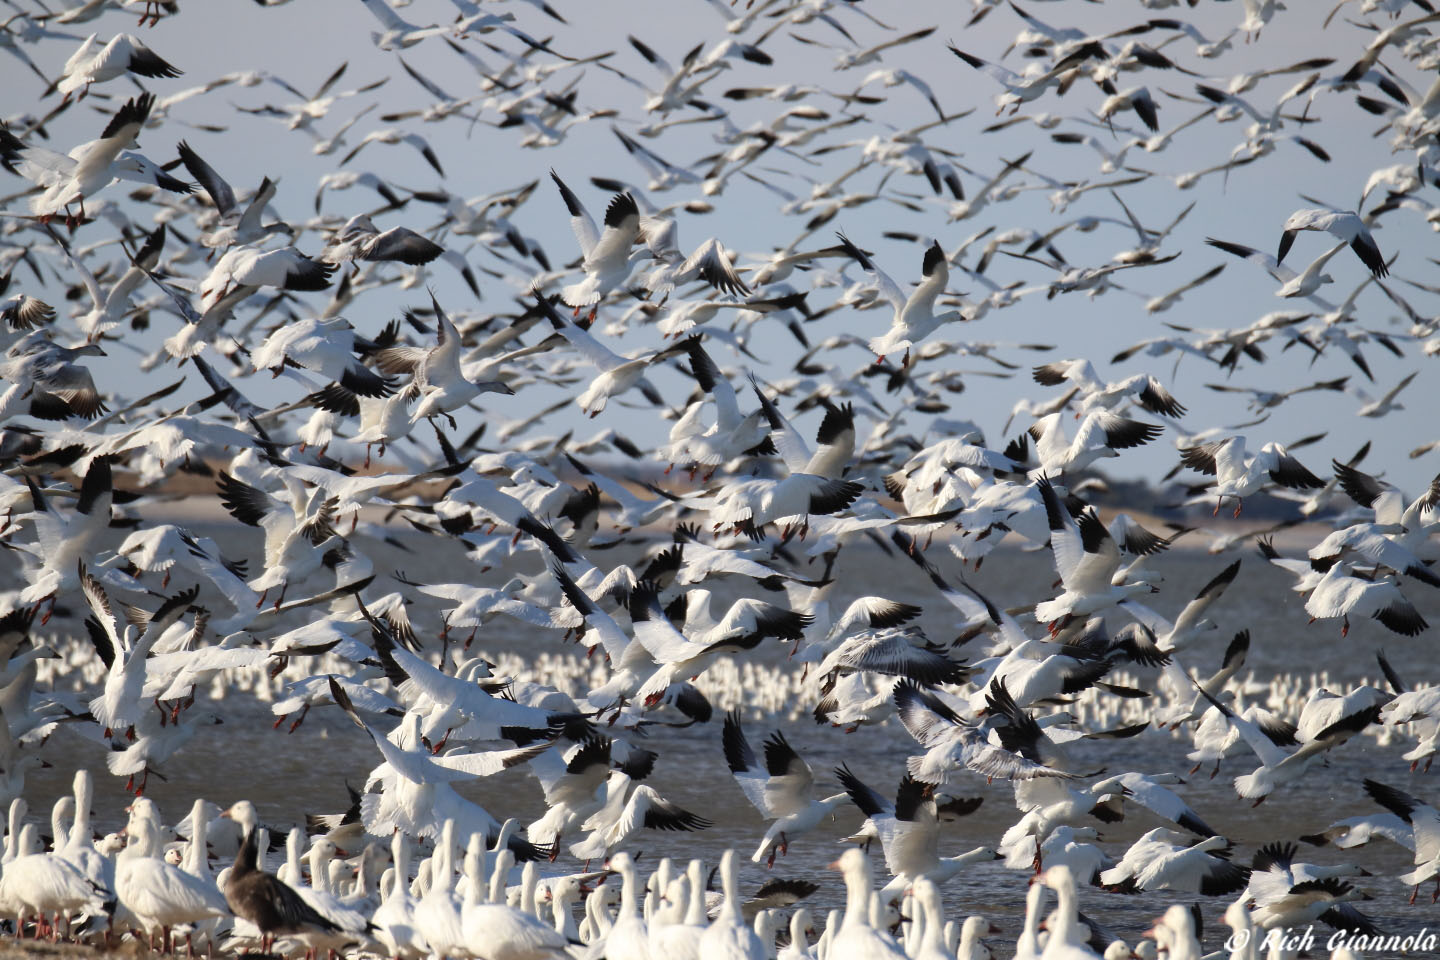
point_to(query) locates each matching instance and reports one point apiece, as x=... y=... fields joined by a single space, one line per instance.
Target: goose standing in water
x=273 y=907
x=857 y=938
x=157 y=893
x=728 y=937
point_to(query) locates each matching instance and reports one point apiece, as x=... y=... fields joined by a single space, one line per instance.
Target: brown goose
x=263 y=899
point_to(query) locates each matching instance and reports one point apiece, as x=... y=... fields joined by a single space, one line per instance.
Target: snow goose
x=350 y=915
x=1149 y=792
x=397 y=33
x=969 y=946
x=747 y=624
x=118 y=706
x=628 y=936
x=158 y=894
x=1305 y=902
x=109 y=308
x=1292 y=284
x=1344 y=225
x=1277 y=767
x=898 y=652
x=326 y=346
x=123 y=54
x=1155 y=862
x=1143 y=388
x=1237 y=918
x=1390 y=505
x=90 y=167
x=1424 y=822
x=1027 y=945
x=437 y=912
x=1067 y=936
x=953 y=743
x=1338 y=594
x=781 y=790
x=49 y=887
x=748 y=506
x=1018 y=89
x=494 y=930
x=1191 y=624
x=1275 y=873
x=360 y=239
x=708 y=262
x=1086 y=558
x=732 y=434
x=298 y=533
x=606 y=262
x=1101 y=434
x=458 y=705
x=914 y=316
x=1239 y=476
x=857 y=938
x=834 y=439
x=908 y=828
x=728 y=937
x=617 y=374
x=1175 y=933
x=801 y=930
x=235 y=226
x=415 y=781
x=630 y=809
x=394 y=918
x=680 y=938
x=79 y=847
x=64 y=542
x=244 y=270
x=396 y=135
x=1071 y=846
x=158 y=736
x=1372 y=542
x=1051 y=803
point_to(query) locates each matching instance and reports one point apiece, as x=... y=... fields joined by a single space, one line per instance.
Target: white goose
x=857 y=939
x=914 y=316
x=607 y=262
x=1086 y=558
x=628 y=936
x=781 y=791
x=728 y=937
x=394 y=918
x=494 y=930
x=1239 y=476
x=156 y=893
x=1067 y=935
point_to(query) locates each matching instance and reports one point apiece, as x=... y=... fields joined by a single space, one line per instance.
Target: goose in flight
x=781 y=789
x=914 y=316
x=607 y=262
x=1142 y=388
x=1277 y=767
x=1424 y=822
x=1339 y=594
x=236 y=226
x=1345 y=225
x=123 y=54
x=617 y=374
x=1239 y=476
x=437 y=378
x=1292 y=284
x=69 y=178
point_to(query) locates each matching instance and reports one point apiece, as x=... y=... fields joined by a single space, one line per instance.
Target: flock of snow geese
x=339 y=427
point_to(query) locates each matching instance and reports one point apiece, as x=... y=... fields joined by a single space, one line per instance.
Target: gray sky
x=304 y=42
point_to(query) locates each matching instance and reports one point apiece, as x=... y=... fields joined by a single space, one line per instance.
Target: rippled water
x=288 y=775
